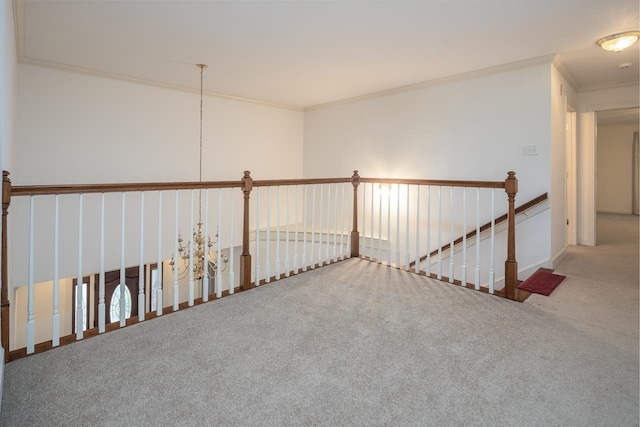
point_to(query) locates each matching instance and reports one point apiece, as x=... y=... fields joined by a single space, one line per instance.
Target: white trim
x=497 y=69
x=587 y=226
x=97 y=73
x=612 y=105
x=18 y=24
x=572 y=159
x=626 y=212
x=557 y=258
x=606 y=86
x=1 y=374
x=566 y=73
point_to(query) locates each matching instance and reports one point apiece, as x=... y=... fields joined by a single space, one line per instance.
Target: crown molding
x=566 y=73
x=606 y=86
x=497 y=69
x=105 y=74
x=18 y=26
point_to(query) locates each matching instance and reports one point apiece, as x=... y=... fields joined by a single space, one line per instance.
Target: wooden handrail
x=39 y=190
x=4 y=291
x=443 y=183
x=502 y=218
x=300 y=181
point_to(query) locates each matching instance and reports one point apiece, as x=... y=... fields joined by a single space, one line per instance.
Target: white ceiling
x=306 y=53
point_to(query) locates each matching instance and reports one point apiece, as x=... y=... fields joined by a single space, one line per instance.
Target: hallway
x=600 y=294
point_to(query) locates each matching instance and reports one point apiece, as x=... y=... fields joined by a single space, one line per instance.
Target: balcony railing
x=68 y=240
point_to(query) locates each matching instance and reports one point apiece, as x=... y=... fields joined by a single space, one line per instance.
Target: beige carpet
x=600 y=294
x=357 y=343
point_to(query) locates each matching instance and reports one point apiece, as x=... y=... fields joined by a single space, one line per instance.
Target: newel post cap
x=511 y=183
x=247 y=181
x=355 y=179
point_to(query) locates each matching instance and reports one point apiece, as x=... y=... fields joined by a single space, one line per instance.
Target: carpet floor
x=354 y=343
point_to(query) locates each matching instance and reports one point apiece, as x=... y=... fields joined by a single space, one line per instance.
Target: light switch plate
x=529 y=150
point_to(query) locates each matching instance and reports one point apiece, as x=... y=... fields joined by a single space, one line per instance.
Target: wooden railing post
x=355 y=235
x=245 y=258
x=4 y=286
x=511 y=265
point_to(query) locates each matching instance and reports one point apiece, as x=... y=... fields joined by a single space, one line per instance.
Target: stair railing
x=286 y=227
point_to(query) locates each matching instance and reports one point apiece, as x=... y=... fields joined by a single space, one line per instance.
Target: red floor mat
x=542 y=282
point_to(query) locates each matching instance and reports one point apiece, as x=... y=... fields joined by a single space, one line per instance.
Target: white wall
x=614 y=163
x=562 y=96
x=8 y=85
x=470 y=129
x=588 y=103
x=76 y=128
x=8 y=102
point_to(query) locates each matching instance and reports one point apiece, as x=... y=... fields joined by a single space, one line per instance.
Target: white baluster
x=219 y=248
x=295 y=235
x=31 y=323
x=123 y=278
x=389 y=226
x=278 y=234
x=205 y=265
x=304 y=236
x=463 y=270
x=349 y=215
x=141 y=282
x=335 y=226
x=398 y=229
x=439 y=275
x=417 y=266
x=267 y=266
x=379 y=226
x=406 y=252
x=232 y=278
x=371 y=245
x=427 y=267
x=313 y=226
x=55 y=340
x=287 y=264
x=158 y=284
x=326 y=257
x=176 y=258
x=477 y=276
x=320 y=214
x=192 y=261
x=258 y=236
x=364 y=220
x=342 y=213
x=493 y=247
x=452 y=251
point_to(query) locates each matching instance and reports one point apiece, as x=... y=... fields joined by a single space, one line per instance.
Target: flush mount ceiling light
x=619 y=42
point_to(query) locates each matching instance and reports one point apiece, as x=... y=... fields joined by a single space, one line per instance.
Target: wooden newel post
x=245 y=258
x=511 y=265
x=4 y=290
x=355 y=236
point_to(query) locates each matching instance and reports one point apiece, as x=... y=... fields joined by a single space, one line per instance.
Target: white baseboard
x=628 y=212
x=557 y=258
x=1 y=375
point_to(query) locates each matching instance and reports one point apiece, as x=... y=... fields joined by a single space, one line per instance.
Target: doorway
x=113 y=290
x=614 y=160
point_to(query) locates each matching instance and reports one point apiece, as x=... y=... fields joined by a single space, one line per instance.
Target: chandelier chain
x=200 y=176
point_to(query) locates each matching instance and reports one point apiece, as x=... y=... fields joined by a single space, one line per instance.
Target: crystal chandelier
x=203 y=257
